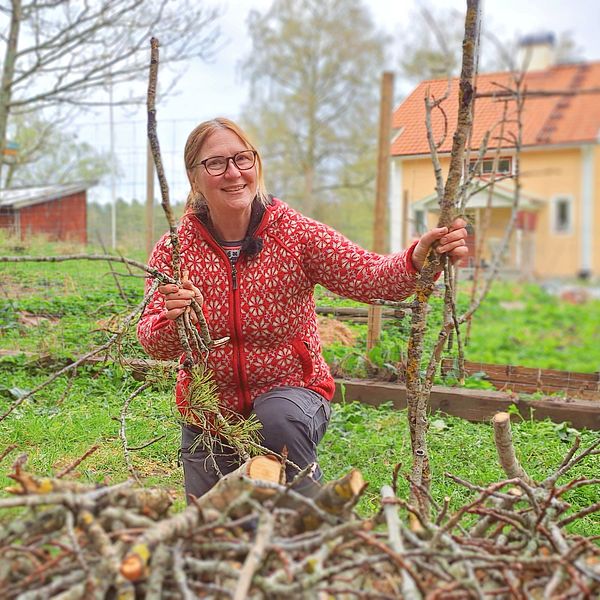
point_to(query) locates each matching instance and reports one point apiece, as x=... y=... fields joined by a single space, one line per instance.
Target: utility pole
x=405 y=219
x=113 y=183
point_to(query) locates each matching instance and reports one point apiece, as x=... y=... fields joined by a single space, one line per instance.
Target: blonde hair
x=193 y=146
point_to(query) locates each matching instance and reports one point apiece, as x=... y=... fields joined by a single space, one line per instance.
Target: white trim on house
x=569 y=229
x=395 y=200
x=502 y=197
x=587 y=208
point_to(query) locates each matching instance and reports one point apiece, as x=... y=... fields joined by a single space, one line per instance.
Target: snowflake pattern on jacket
x=266 y=305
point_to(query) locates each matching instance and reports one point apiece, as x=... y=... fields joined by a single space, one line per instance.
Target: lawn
x=517 y=324
x=52 y=312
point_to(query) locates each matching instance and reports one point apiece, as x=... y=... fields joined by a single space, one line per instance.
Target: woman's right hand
x=178 y=299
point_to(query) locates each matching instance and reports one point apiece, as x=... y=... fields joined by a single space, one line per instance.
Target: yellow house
x=557 y=230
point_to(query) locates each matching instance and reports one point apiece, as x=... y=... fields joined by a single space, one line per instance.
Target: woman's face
x=234 y=189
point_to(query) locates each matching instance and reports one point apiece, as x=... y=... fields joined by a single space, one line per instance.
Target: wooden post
x=381 y=196
x=149 y=200
x=405 y=220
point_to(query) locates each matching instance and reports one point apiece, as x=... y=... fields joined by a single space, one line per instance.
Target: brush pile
x=252 y=537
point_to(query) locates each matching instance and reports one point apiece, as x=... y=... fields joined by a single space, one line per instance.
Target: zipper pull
x=234 y=276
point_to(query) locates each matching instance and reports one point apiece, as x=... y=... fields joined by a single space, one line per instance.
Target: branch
x=155 y=273
x=417 y=396
x=127 y=321
x=255 y=555
x=185 y=329
x=77 y=462
x=505 y=448
x=409 y=585
x=122 y=432
x=538 y=93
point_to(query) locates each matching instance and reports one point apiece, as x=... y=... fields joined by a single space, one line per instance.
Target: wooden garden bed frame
x=585 y=386
x=473 y=405
x=469 y=404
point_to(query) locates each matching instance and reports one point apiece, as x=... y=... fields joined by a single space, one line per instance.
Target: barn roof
x=27 y=196
x=547 y=119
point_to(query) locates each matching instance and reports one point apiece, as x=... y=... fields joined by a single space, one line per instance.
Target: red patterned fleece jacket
x=265 y=304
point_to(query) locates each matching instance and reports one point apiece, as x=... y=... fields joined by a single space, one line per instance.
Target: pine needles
x=220 y=427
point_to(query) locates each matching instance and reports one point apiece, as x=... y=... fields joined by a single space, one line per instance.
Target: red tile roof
x=547 y=120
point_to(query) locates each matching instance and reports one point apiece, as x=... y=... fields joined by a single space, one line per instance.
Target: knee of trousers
x=278 y=428
x=297 y=423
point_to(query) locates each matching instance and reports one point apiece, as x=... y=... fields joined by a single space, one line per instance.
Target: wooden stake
x=405 y=213
x=381 y=197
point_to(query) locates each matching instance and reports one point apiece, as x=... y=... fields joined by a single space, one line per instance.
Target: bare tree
x=461 y=183
x=50 y=154
x=418 y=386
x=66 y=52
x=431 y=42
x=314 y=71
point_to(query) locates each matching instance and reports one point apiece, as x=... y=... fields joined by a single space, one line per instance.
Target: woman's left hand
x=451 y=241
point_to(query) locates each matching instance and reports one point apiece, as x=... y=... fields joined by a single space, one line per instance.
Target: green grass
x=68 y=417
x=377 y=439
x=518 y=324
x=76 y=300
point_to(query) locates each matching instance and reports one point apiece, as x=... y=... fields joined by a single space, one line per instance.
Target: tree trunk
x=308 y=200
x=417 y=387
x=8 y=72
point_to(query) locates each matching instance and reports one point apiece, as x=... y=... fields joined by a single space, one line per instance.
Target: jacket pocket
x=300 y=349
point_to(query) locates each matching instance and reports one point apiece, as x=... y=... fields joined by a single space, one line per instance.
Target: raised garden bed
x=474 y=405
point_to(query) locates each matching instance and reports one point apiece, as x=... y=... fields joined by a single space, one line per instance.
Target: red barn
x=57 y=211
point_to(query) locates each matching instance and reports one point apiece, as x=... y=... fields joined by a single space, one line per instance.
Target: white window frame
x=554 y=214
x=418 y=214
x=507 y=156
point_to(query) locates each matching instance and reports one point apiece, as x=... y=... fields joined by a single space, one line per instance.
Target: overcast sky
x=217 y=88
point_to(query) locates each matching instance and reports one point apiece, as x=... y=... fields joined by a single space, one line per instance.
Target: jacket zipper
x=234 y=277
x=235 y=326
x=245 y=399
x=235 y=323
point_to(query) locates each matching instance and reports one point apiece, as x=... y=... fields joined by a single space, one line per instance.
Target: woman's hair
x=193 y=146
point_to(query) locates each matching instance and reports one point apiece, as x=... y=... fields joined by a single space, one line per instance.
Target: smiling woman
x=225 y=174
x=253 y=263
x=226 y=180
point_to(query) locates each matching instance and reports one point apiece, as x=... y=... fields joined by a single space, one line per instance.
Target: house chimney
x=536 y=52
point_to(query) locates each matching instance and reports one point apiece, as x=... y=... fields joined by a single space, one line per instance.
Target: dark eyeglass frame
x=227 y=159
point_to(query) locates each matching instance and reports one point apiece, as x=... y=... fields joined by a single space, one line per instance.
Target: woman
x=253 y=262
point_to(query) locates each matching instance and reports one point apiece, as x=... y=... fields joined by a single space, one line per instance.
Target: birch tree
x=66 y=52
x=314 y=70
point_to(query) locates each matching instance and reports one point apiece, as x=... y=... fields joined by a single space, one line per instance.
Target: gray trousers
x=290 y=416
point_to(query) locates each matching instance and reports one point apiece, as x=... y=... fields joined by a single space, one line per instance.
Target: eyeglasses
x=217 y=165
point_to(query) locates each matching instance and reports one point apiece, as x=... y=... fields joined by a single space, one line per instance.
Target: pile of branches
x=254 y=537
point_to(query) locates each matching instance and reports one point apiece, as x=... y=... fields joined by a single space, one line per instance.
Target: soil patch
x=332 y=331
x=29 y=319
x=11 y=288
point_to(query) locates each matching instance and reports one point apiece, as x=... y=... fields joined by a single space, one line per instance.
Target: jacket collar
x=252 y=243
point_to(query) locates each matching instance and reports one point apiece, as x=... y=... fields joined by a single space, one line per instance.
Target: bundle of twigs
x=251 y=537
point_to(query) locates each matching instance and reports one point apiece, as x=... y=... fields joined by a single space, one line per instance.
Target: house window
x=562 y=215
x=419 y=223
x=487 y=166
